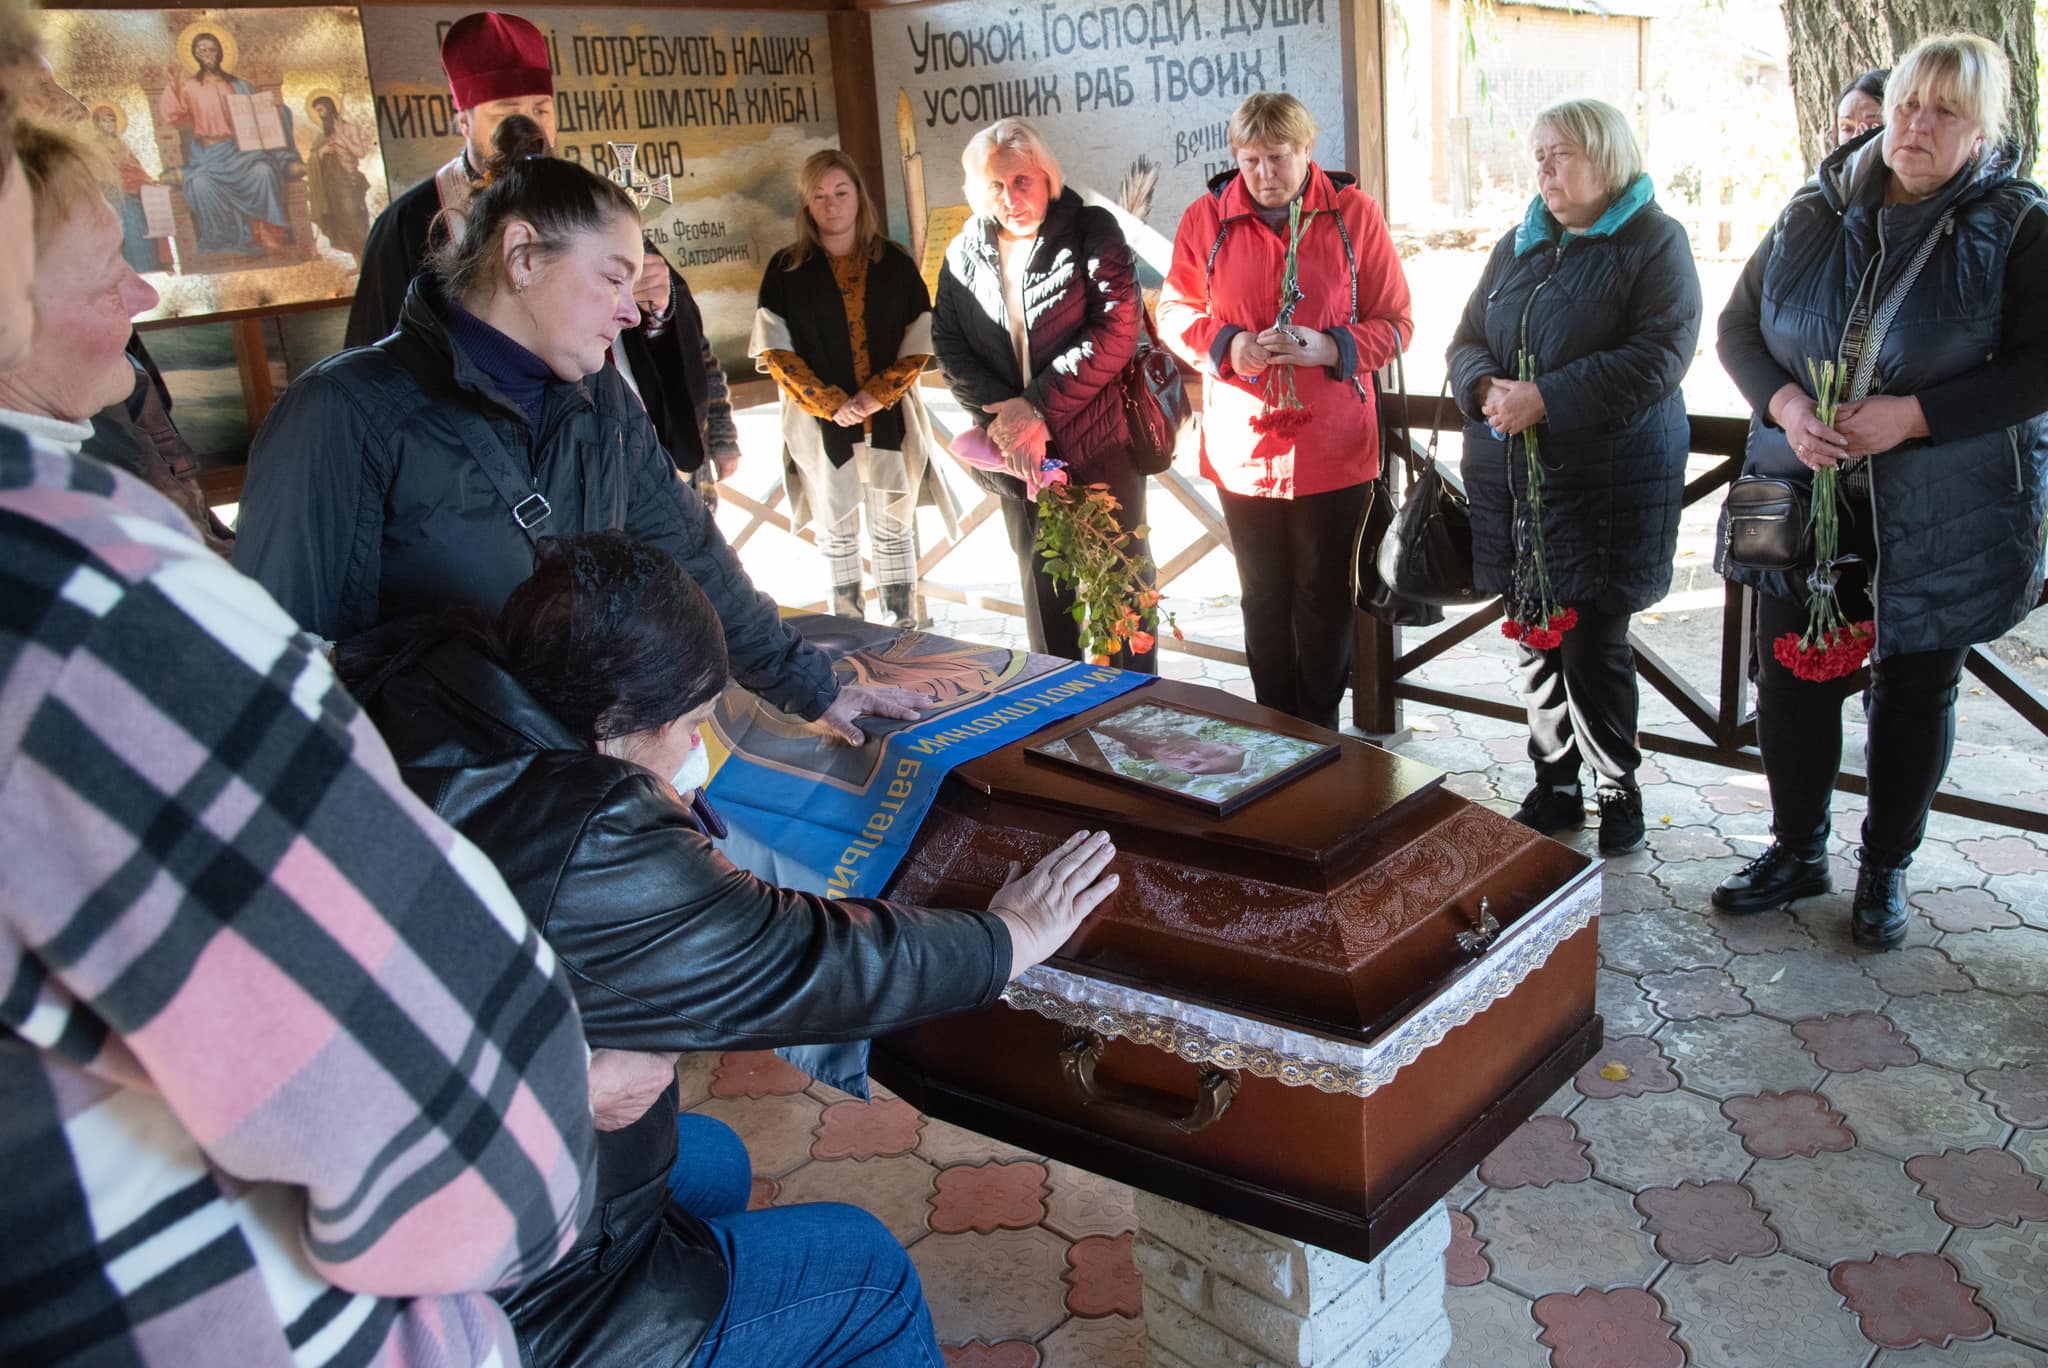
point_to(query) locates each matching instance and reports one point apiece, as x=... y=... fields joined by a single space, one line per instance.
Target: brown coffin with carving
x=1295 y=1015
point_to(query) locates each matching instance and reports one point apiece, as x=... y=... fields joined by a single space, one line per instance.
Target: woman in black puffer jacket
x=1597 y=288
x=1037 y=316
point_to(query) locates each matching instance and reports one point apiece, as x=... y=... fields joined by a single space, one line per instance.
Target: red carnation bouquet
x=1283 y=414
x=1535 y=618
x=1831 y=646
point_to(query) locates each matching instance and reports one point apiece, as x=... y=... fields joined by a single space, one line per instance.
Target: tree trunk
x=1835 y=41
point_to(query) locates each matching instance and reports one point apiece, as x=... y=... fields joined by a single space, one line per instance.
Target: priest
x=497 y=66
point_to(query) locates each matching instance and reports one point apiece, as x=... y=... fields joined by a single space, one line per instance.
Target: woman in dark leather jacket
x=548 y=741
x=1036 y=318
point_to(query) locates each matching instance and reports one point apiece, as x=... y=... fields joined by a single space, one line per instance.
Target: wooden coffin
x=1292 y=1016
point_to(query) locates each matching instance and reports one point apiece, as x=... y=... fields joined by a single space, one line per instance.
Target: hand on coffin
x=625 y=1083
x=1043 y=907
x=870 y=700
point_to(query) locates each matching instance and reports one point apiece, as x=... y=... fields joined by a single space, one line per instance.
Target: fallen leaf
x=1615 y=1073
x=1665 y=820
x=1774 y=978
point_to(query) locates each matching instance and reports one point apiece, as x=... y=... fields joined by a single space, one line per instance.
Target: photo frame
x=1214 y=762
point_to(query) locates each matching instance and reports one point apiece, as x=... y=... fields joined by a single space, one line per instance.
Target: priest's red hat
x=491 y=56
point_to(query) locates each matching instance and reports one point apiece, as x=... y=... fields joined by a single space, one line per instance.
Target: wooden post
x=853 y=91
x=252 y=359
x=1365 y=89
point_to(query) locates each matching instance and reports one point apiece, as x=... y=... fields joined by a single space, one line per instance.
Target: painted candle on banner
x=727 y=103
x=1133 y=98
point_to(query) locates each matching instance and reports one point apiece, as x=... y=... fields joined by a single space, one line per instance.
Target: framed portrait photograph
x=1214 y=762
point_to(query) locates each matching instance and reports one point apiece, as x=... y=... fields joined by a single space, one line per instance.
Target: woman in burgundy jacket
x=1291 y=498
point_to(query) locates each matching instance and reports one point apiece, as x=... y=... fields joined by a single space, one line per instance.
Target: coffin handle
x=1082 y=1051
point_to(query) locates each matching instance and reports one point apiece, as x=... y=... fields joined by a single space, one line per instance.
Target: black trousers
x=1294 y=570
x=1582 y=703
x=1911 y=709
x=1049 y=611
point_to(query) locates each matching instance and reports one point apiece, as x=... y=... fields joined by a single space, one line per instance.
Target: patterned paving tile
x=1903 y=1112
x=1563 y=1238
x=693 y=1077
x=944 y=1143
x=1621 y=1001
x=1102 y=1278
x=2010 y=1270
x=1492 y=1326
x=897 y=1191
x=1972 y=1030
x=1465 y=1261
x=757 y=1073
x=1826 y=919
x=1674 y=844
x=1652 y=942
x=1594 y=1329
x=1777 y=1310
x=1108 y=1342
x=990 y=1196
x=980 y=1354
x=1763 y=934
x=1660 y=1140
x=1778 y=1125
x=1845 y=1206
x=2032 y=1148
x=1911 y=1299
x=1963 y=909
x=1851 y=1042
x=1084 y=1203
x=1997 y=855
x=761 y=1193
x=1002 y=1286
x=2013 y=961
x=1916 y=971
x=1979 y=1187
x=1802 y=985
x=2019 y=1092
x=776 y=1130
x=1627 y=1067
x=1630 y=892
x=861 y=1130
x=1694 y=1222
x=1690 y=994
x=1995 y=1352
x=1742 y=793
x=1738 y=1055
x=1541 y=1151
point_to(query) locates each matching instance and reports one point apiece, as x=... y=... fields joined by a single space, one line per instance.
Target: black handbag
x=1426 y=553
x=1156 y=402
x=1373 y=594
x=1764 y=524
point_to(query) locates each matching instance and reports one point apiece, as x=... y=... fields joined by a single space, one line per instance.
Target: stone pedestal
x=1223 y=1295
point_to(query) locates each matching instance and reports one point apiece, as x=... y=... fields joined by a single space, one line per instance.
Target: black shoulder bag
x=1156 y=402
x=1426 y=553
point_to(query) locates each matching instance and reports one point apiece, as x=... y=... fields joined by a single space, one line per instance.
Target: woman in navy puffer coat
x=1944 y=464
x=1597 y=288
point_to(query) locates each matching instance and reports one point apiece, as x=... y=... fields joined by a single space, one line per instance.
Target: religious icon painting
x=1215 y=762
x=244 y=140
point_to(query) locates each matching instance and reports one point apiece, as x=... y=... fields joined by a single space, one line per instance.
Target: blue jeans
x=818 y=1284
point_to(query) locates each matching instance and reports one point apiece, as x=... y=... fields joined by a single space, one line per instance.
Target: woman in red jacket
x=1292 y=491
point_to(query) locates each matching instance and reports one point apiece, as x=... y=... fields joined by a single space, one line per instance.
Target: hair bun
x=517 y=139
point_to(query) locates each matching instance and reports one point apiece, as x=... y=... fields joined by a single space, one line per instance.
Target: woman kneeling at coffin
x=549 y=739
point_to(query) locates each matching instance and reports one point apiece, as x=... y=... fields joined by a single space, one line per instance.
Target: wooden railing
x=1719 y=730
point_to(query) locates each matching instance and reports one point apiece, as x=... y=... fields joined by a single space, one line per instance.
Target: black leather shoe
x=1550 y=810
x=1621 y=821
x=1879 y=917
x=1776 y=877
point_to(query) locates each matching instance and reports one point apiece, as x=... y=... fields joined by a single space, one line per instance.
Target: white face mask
x=696 y=770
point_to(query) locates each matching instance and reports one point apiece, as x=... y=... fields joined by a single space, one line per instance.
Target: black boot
x=898 y=605
x=1550 y=810
x=846 y=601
x=1787 y=870
x=1621 y=820
x=1879 y=918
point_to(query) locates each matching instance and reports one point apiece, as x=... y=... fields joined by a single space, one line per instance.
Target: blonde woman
x=845 y=328
x=1947 y=457
x=1037 y=317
